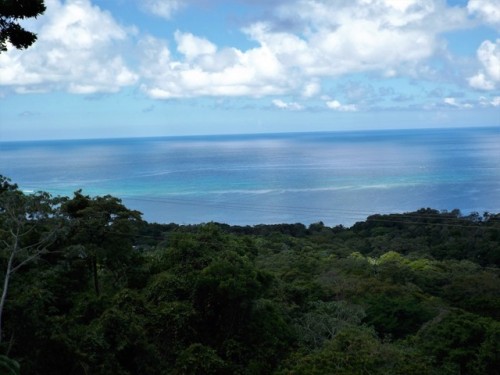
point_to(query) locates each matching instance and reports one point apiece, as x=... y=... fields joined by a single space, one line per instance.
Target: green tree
x=199 y=359
x=208 y=292
x=118 y=341
x=324 y=320
x=396 y=314
x=102 y=230
x=11 y=11
x=357 y=350
x=27 y=229
x=462 y=343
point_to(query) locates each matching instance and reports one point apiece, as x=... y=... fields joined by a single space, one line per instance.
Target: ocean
x=333 y=177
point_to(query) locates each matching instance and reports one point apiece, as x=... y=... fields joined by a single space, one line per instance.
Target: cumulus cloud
x=337 y=106
x=489 y=102
x=487 y=10
x=73 y=53
x=192 y=46
x=356 y=46
x=162 y=8
x=345 y=37
x=82 y=49
x=208 y=71
x=322 y=39
x=311 y=89
x=453 y=102
x=294 y=106
x=488 y=77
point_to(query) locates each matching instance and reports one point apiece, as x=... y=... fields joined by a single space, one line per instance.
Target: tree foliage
x=416 y=293
x=13 y=11
x=28 y=226
x=102 y=234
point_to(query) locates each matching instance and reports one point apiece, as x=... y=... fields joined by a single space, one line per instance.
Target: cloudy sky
x=119 y=68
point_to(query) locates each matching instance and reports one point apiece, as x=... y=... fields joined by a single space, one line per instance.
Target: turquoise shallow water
x=337 y=177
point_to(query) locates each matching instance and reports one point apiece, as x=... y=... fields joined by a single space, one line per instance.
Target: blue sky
x=131 y=68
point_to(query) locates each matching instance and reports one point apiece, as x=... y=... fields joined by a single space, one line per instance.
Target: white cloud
x=487 y=10
x=336 y=38
x=489 y=102
x=488 y=77
x=83 y=49
x=337 y=106
x=451 y=101
x=294 y=106
x=74 y=52
x=479 y=81
x=192 y=46
x=311 y=89
x=162 y=8
x=226 y=72
x=329 y=39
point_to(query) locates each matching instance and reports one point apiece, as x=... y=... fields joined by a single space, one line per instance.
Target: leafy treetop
x=11 y=11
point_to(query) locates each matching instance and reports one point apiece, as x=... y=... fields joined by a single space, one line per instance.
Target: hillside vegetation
x=90 y=288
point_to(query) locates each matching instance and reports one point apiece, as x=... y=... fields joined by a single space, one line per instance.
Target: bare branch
x=29 y=259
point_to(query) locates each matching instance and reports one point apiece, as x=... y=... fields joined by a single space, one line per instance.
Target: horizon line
x=270 y=133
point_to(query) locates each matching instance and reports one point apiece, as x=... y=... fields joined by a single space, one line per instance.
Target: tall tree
x=11 y=12
x=26 y=231
x=102 y=229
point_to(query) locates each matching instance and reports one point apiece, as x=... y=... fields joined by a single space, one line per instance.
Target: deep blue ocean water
x=335 y=177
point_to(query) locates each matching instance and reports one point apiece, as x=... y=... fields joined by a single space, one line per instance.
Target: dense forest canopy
x=90 y=288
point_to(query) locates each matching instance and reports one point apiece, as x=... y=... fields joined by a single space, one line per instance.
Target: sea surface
x=334 y=177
